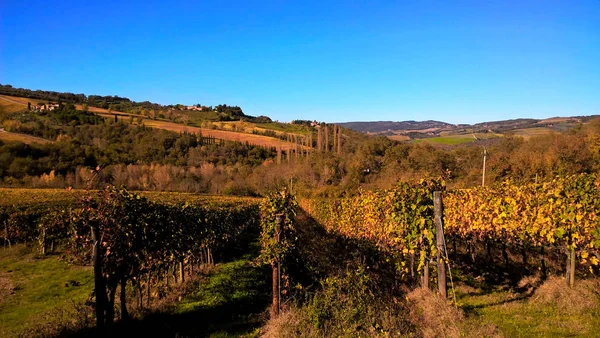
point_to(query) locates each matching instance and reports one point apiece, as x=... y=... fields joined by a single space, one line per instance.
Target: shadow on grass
x=230 y=302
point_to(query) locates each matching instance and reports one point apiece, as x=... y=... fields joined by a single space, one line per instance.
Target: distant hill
x=524 y=127
x=384 y=126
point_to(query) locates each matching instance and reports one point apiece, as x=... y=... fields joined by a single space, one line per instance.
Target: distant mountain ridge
x=383 y=126
x=432 y=128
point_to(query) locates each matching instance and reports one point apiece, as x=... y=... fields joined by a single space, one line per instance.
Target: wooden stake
x=439 y=236
x=275 y=305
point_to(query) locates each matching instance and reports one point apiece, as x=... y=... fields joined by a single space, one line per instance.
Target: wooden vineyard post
x=571 y=267
x=99 y=285
x=276 y=272
x=439 y=237
x=425 y=278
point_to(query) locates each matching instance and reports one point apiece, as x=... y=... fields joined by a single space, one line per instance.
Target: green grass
x=453 y=139
x=448 y=140
x=284 y=127
x=200 y=116
x=229 y=303
x=519 y=315
x=33 y=287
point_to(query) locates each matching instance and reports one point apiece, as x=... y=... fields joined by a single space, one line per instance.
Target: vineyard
x=128 y=238
x=367 y=249
x=559 y=216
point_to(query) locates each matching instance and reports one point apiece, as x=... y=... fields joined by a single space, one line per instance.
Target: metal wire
x=449 y=270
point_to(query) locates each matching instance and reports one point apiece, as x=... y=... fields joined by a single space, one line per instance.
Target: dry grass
x=434 y=316
x=27 y=139
x=9 y=105
x=287 y=326
x=399 y=138
x=6 y=287
x=21 y=100
x=582 y=298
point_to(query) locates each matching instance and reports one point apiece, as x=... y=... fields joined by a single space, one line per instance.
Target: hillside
x=446 y=133
x=13 y=104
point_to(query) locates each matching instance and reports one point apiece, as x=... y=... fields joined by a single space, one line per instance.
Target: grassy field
x=22 y=100
x=27 y=196
x=228 y=302
x=532 y=132
x=27 y=139
x=9 y=104
x=33 y=289
x=447 y=140
x=547 y=309
x=453 y=139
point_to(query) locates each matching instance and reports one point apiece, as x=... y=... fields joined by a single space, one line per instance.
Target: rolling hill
x=13 y=104
x=446 y=133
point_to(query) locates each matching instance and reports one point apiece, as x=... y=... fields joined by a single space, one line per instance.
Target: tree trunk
x=275 y=302
x=568 y=268
x=505 y=255
x=174 y=271
x=181 y=271
x=140 y=293
x=544 y=271
x=99 y=283
x=124 y=313
x=454 y=248
x=425 y=280
x=110 y=309
x=148 y=289
x=412 y=267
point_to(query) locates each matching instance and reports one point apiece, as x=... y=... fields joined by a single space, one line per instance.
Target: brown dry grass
x=27 y=139
x=9 y=105
x=287 y=325
x=6 y=287
x=436 y=317
x=582 y=298
x=20 y=100
x=399 y=138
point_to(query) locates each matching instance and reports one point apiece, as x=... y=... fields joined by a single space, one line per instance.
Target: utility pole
x=484 y=158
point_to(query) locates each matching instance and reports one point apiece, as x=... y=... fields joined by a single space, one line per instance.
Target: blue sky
x=459 y=62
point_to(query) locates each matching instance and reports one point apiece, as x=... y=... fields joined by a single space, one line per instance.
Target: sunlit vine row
x=399 y=220
x=560 y=213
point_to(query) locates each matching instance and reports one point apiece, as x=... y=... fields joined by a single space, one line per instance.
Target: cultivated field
x=9 y=105
x=257 y=140
x=27 y=139
x=533 y=132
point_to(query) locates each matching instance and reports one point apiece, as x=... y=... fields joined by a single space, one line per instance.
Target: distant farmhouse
x=201 y=108
x=43 y=107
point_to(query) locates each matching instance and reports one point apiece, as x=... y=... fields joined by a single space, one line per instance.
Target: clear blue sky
x=460 y=62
